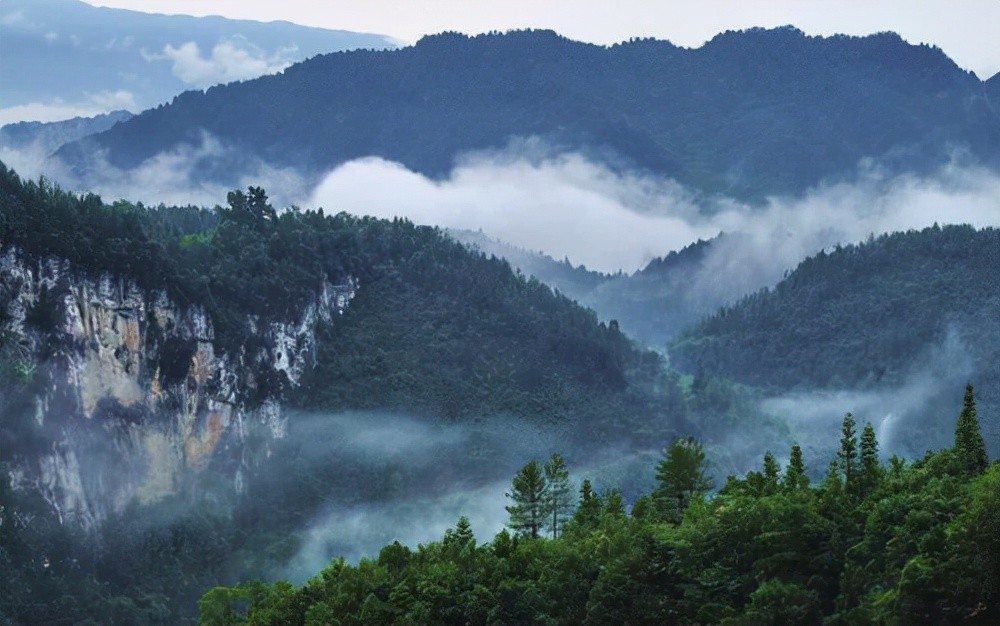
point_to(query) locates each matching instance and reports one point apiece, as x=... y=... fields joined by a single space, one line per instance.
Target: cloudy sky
x=965 y=30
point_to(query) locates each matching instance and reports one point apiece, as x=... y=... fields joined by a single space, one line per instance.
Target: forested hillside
x=872 y=543
x=451 y=338
x=434 y=328
x=863 y=316
x=736 y=116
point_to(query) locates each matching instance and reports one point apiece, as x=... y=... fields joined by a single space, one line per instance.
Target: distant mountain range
x=47 y=137
x=749 y=114
x=71 y=56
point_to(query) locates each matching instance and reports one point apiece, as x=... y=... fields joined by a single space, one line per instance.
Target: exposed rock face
x=132 y=398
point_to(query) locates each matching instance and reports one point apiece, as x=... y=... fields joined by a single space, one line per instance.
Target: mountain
x=27 y=145
x=905 y=311
x=209 y=385
x=71 y=56
x=749 y=114
x=654 y=304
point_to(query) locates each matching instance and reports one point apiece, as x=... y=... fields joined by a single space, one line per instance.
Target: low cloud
x=229 y=61
x=174 y=177
x=909 y=418
x=569 y=206
x=58 y=110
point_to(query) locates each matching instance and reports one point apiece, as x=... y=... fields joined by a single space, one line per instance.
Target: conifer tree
x=680 y=475
x=848 y=453
x=970 y=450
x=770 y=473
x=528 y=493
x=871 y=470
x=795 y=473
x=589 y=510
x=559 y=502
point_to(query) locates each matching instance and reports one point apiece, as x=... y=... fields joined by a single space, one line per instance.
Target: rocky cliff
x=129 y=396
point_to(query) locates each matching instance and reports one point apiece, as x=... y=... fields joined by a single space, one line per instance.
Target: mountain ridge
x=751 y=131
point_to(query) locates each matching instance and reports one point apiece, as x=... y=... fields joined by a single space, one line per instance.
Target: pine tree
x=970 y=450
x=848 y=450
x=559 y=502
x=795 y=473
x=589 y=510
x=680 y=475
x=770 y=473
x=527 y=513
x=871 y=470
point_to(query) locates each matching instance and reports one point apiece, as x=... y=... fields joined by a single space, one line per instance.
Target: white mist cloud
x=229 y=61
x=568 y=205
x=909 y=418
x=57 y=110
x=564 y=205
x=171 y=177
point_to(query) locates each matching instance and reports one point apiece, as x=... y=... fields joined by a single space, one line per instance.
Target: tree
x=559 y=502
x=680 y=476
x=588 y=512
x=970 y=450
x=848 y=453
x=528 y=493
x=871 y=470
x=770 y=473
x=795 y=474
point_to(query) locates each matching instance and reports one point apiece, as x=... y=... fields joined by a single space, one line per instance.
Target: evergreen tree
x=528 y=493
x=559 y=502
x=680 y=475
x=970 y=450
x=848 y=454
x=770 y=473
x=589 y=510
x=795 y=473
x=871 y=470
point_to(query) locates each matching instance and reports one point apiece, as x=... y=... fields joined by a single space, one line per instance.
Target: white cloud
x=172 y=177
x=564 y=205
x=51 y=36
x=57 y=110
x=229 y=61
x=567 y=205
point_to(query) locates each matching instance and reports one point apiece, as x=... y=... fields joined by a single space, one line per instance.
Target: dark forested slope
x=750 y=113
x=868 y=316
x=434 y=328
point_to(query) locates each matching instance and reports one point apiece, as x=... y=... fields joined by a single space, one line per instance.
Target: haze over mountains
x=192 y=397
x=749 y=114
x=65 y=58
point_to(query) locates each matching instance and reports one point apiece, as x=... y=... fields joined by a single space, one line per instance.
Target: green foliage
x=529 y=495
x=970 y=451
x=680 y=476
x=559 y=499
x=867 y=315
x=920 y=545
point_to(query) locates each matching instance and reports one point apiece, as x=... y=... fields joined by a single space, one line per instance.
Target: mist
x=910 y=417
x=419 y=475
x=179 y=177
x=567 y=205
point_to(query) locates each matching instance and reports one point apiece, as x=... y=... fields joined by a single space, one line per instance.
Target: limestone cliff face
x=131 y=397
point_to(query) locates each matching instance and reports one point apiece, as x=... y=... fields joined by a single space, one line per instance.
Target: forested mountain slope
x=863 y=316
x=181 y=381
x=748 y=114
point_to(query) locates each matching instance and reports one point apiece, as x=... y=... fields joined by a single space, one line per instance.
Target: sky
x=966 y=30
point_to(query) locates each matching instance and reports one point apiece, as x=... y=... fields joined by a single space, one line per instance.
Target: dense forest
x=430 y=321
x=872 y=542
x=863 y=316
x=434 y=331
x=737 y=116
